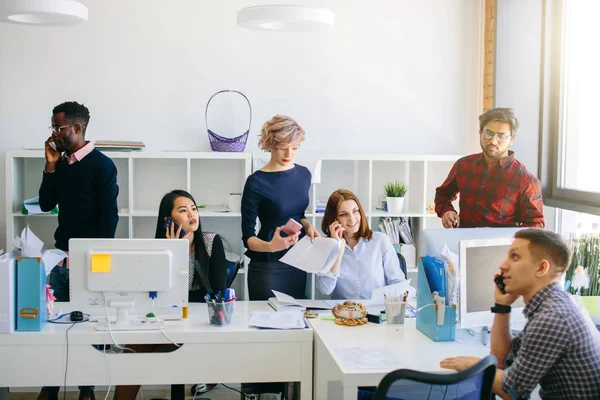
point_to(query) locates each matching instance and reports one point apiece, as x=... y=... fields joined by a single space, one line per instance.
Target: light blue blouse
x=372 y=264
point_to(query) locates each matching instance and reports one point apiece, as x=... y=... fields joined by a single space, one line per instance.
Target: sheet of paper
x=51 y=258
x=285 y=298
x=397 y=289
x=314 y=256
x=277 y=320
x=100 y=263
x=31 y=245
x=368 y=358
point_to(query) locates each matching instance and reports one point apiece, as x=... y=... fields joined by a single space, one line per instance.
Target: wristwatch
x=501 y=309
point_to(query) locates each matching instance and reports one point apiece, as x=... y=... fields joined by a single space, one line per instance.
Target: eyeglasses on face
x=57 y=129
x=502 y=137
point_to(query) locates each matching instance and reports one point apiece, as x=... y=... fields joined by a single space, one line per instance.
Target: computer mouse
x=76 y=316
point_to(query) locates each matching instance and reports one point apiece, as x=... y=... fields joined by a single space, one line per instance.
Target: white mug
x=235 y=202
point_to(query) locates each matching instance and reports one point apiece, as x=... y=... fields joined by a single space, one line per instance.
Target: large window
x=571 y=105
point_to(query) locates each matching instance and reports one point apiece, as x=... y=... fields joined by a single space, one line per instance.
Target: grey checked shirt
x=559 y=349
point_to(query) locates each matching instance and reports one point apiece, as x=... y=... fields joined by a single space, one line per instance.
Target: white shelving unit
x=365 y=175
x=143 y=179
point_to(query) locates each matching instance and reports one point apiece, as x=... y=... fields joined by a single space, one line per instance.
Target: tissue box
x=7 y=294
x=32 y=313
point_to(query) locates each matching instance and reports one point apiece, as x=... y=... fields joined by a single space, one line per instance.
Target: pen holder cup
x=439 y=326
x=395 y=311
x=219 y=314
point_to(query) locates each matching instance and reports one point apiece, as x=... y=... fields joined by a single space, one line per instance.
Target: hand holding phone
x=499 y=280
x=292 y=227
x=169 y=222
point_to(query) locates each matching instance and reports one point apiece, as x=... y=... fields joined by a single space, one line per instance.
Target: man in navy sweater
x=83 y=182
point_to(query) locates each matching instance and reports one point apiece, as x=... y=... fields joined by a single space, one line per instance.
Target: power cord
x=162 y=329
x=109 y=330
x=235 y=390
x=107 y=369
x=67 y=361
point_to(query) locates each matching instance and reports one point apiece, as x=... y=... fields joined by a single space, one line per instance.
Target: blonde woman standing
x=274 y=194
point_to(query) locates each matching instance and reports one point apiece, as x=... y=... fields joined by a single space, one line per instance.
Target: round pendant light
x=285 y=18
x=43 y=12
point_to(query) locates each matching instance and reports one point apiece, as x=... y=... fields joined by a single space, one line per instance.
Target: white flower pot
x=395 y=204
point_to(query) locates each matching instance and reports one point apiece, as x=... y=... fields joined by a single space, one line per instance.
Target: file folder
x=32 y=313
x=427 y=316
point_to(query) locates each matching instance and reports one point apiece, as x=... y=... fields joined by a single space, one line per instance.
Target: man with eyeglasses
x=495 y=189
x=83 y=182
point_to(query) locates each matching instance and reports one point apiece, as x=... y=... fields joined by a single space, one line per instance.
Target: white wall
x=394 y=76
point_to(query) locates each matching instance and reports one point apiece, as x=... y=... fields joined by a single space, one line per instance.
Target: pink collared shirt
x=80 y=154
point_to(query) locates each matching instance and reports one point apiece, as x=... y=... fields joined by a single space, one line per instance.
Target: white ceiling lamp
x=43 y=12
x=285 y=18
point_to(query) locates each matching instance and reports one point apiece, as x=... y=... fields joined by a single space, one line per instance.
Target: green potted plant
x=583 y=274
x=394 y=192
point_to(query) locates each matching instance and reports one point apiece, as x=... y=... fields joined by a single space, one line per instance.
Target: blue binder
x=427 y=316
x=32 y=313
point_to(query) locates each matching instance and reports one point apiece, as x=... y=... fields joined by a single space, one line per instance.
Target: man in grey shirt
x=559 y=348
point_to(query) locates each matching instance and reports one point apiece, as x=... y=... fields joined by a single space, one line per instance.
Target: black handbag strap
x=227 y=91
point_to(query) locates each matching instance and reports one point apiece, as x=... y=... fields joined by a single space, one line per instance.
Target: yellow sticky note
x=590 y=303
x=100 y=262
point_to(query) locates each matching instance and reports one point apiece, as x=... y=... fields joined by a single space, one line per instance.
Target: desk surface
x=196 y=329
x=407 y=346
x=229 y=354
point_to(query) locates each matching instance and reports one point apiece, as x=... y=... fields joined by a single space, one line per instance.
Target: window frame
x=553 y=115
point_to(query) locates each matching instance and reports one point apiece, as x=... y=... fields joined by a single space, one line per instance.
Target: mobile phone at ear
x=292 y=227
x=169 y=221
x=53 y=145
x=499 y=280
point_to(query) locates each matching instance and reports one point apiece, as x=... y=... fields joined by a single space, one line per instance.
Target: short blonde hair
x=280 y=129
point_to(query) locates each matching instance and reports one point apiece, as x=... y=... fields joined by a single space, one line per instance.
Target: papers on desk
x=368 y=358
x=314 y=257
x=397 y=289
x=277 y=320
x=31 y=246
x=283 y=301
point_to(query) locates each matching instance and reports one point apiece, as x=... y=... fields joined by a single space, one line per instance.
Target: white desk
x=408 y=345
x=235 y=353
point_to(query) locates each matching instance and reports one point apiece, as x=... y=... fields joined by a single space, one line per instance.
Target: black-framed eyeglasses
x=502 y=137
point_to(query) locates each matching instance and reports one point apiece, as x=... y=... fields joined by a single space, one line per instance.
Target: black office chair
x=232 y=271
x=402 y=264
x=474 y=383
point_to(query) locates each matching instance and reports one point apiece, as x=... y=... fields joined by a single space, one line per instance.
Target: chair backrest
x=402 y=264
x=232 y=270
x=474 y=383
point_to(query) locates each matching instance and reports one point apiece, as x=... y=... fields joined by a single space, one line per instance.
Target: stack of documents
x=283 y=301
x=119 y=145
x=317 y=256
x=277 y=320
x=32 y=207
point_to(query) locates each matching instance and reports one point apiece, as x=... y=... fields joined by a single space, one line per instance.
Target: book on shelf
x=119 y=145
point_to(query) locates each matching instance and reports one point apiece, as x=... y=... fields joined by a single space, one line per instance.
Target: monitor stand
x=124 y=323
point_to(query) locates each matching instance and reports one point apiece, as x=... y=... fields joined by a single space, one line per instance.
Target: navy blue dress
x=273 y=197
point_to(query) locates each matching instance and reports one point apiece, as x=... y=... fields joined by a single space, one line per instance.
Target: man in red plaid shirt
x=495 y=189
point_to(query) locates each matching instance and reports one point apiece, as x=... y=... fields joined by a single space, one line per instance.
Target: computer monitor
x=479 y=262
x=123 y=273
x=433 y=240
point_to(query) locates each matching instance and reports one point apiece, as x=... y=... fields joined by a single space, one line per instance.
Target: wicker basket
x=225 y=144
